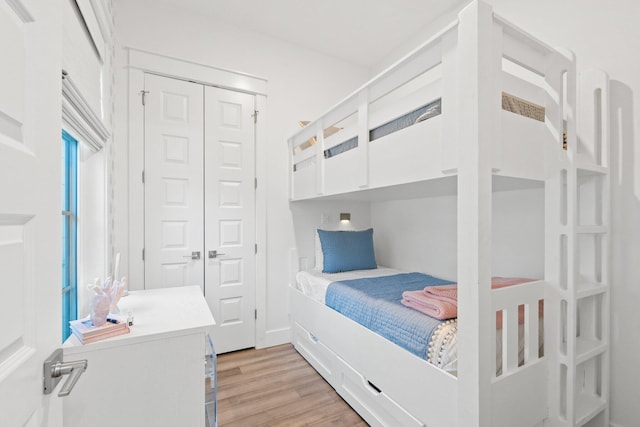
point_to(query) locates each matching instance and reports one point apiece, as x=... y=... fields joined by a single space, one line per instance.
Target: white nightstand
x=153 y=376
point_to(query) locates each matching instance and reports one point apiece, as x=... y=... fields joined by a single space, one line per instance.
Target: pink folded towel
x=448 y=293
x=441 y=301
x=434 y=307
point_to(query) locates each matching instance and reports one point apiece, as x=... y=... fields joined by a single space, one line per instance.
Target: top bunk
x=481 y=88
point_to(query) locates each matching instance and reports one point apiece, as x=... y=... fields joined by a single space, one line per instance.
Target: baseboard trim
x=276 y=337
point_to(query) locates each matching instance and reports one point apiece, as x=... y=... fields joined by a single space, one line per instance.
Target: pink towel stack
x=441 y=302
x=442 y=305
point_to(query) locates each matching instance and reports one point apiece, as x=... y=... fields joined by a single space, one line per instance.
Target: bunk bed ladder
x=583 y=264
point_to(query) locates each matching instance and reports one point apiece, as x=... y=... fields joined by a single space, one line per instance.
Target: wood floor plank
x=277 y=387
x=249 y=384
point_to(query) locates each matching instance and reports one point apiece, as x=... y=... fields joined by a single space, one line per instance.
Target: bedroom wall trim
x=97 y=24
x=276 y=337
x=198 y=73
x=102 y=11
x=21 y=10
x=263 y=337
x=80 y=117
x=140 y=62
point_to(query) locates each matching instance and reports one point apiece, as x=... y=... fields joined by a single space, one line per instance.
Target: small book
x=101 y=336
x=85 y=329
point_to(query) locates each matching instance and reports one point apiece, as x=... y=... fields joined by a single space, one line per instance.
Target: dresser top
x=157 y=313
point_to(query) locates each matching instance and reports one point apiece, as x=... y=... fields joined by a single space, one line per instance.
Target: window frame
x=69 y=232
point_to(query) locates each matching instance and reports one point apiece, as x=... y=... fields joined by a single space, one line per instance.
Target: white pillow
x=319 y=257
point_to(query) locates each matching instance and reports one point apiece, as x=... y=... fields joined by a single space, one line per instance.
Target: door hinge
x=143 y=254
x=144 y=96
x=255 y=314
x=255 y=183
x=143 y=177
x=255 y=248
x=255 y=116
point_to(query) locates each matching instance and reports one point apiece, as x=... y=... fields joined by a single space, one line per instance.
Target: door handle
x=55 y=369
x=194 y=255
x=215 y=254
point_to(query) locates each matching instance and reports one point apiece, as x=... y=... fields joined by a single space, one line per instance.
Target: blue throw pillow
x=347 y=250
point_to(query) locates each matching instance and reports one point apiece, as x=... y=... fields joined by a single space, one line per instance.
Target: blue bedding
x=375 y=304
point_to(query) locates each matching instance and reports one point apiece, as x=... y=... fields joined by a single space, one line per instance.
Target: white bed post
x=363 y=138
x=479 y=108
x=319 y=150
x=559 y=250
x=449 y=151
x=290 y=156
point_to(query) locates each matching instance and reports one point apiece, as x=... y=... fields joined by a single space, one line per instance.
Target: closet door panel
x=230 y=216
x=174 y=126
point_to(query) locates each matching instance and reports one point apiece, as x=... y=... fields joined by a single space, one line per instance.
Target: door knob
x=55 y=369
x=194 y=255
x=215 y=254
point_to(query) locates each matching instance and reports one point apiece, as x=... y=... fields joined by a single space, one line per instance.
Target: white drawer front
x=316 y=353
x=370 y=402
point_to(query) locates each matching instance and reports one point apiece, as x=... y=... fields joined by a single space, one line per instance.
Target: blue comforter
x=375 y=304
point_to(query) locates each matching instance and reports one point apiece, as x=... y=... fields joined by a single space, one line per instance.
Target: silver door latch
x=55 y=368
x=194 y=255
x=215 y=254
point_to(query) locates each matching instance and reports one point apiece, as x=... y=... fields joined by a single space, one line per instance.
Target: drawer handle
x=373 y=386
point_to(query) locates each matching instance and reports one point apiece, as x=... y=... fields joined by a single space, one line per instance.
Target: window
x=69 y=232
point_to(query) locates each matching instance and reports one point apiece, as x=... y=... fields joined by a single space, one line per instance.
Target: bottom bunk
x=390 y=386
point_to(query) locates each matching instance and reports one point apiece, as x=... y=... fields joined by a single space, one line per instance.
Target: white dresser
x=153 y=376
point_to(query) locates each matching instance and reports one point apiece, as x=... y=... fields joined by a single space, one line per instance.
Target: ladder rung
x=591 y=229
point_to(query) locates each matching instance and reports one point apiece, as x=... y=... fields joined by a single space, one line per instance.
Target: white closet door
x=230 y=217
x=173 y=183
x=30 y=209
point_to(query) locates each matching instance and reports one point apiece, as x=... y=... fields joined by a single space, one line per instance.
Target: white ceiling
x=360 y=31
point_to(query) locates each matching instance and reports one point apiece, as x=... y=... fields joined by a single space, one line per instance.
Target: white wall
x=603 y=35
x=420 y=234
x=301 y=85
x=417 y=235
x=92 y=221
x=310 y=215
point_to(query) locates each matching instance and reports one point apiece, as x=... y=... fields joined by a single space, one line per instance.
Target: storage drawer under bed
x=317 y=354
x=363 y=395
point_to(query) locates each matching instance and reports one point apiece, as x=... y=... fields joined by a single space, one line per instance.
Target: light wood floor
x=277 y=387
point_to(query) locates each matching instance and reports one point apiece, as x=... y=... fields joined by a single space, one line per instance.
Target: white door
x=200 y=197
x=30 y=209
x=173 y=183
x=230 y=227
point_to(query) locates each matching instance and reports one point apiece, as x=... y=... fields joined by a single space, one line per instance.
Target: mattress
x=314 y=284
x=442 y=351
x=376 y=304
x=418 y=115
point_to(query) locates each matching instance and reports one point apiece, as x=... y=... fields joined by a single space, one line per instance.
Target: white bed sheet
x=314 y=283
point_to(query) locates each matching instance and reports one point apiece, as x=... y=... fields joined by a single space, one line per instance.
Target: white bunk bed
x=501 y=108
